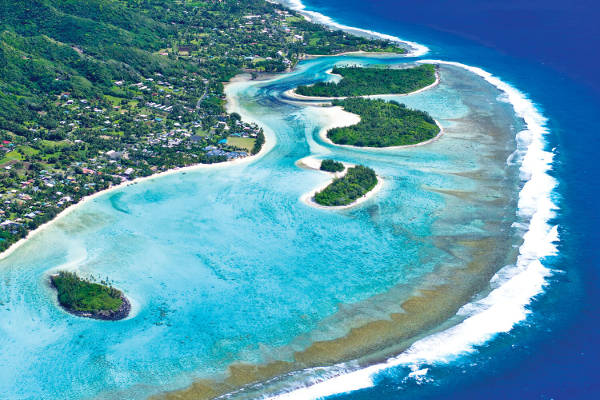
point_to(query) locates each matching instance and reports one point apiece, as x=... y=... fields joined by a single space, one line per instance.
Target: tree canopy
x=78 y=294
x=383 y=124
x=362 y=81
x=331 y=166
x=357 y=182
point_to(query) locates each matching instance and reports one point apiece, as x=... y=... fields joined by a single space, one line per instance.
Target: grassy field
x=242 y=143
x=10 y=156
x=28 y=151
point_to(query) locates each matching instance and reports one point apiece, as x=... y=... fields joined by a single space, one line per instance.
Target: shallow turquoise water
x=227 y=264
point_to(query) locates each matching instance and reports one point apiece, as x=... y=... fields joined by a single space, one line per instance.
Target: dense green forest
x=362 y=81
x=78 y=294
x=331 y=166
x=98 y=92
x=52 y=46
x=383 y=124
x=357 y=182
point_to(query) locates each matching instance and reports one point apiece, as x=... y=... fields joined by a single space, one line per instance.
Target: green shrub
x=331 y=166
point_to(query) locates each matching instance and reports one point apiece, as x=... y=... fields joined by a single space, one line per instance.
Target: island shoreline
x=222 y=164
x=389 y=361
x=413 y=49
x=231 y=105
x=292 y=95
x=122 y=313
x=340 y=120
x=308 y=198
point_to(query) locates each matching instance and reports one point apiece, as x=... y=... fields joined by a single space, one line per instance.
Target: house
x=8 y=223
x=113 y=155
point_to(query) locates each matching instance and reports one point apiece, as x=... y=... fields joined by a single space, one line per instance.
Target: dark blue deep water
x=550 y=50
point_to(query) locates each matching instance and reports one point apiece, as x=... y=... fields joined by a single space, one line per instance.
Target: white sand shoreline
x=380 y=54
x=308 y=198
x=338 y=118
x=291 y=93
x=231 y=106
x=122 y=185
x=413 y=49
x=270 y=139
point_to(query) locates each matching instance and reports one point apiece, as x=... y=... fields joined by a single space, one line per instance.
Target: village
x=109 y=141
x=90 y=123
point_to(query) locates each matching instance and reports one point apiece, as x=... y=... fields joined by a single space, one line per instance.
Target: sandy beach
x=231 y=106
x=413 y=49
x=323 y=135
x=337 y=117
x=315 y=164
x=357 y=53
x=123 y=185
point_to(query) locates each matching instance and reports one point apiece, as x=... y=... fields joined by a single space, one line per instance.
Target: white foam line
x=513 y=286
x=416 y=49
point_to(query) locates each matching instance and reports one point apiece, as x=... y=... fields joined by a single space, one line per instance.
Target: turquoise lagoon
x=226 y=264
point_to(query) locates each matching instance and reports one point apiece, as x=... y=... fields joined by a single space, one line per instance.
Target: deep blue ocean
x=549 y=50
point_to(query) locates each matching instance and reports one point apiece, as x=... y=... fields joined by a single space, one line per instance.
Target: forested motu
x=357 y=182
x=97 y=92
x=383 y=124
x=362 y=81
x=86 y=298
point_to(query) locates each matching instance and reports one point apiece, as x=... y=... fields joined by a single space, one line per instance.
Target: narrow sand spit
x=314 y=164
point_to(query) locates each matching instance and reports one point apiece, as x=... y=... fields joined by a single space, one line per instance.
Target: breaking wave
x=416 y=49
x=513 y=287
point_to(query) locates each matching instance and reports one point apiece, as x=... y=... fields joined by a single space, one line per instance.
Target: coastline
x=414 y=49
x=535 y=210
x=340 y=119
x=354 y=380
x=376 y=54
x=291 y=93
x=462 y=338
x=231 y=106
x=514 y=286
x=308 y=198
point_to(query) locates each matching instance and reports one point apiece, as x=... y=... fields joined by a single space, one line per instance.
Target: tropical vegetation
x=357 y=182
x=82 y=295
x=331 y=166
x=383 y=124
x=98 y=92
x=361 y=81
